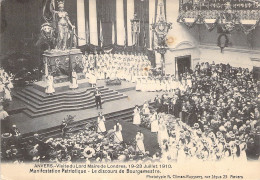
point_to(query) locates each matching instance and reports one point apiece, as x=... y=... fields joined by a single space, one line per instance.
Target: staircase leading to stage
x=122 y=115
x=39 y=104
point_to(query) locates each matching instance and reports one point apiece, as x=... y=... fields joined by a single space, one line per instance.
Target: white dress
x=118 y=138
x=243 y=157
x=92 y=79
x=137 y=118
x=154 y=123
x=162 y=134
x=50 y=87
x=140 y=143
x=7 y=94
x=189 y=82
x=2 y=87
x=74 y=84
x=101 y=124
x=146 y=109
x=10 y=85
x=3 y=114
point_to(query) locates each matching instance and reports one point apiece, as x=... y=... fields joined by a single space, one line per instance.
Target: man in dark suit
x=64 y=128
x=97 y=94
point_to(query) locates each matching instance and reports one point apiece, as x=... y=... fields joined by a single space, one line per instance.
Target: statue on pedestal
x=58 y=33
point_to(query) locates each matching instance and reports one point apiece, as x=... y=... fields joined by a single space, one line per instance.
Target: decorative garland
x=201 y=20
x=248 y=31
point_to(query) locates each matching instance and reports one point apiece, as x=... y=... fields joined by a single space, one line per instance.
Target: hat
x=88 y=152
x=6 y=135
x=196 y=125
x=199 y=132
x=187 y=134
x=222 y=140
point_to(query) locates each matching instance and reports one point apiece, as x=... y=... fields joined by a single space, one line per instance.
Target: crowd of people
x=223 y=101
x=159 y=83
x=123 y=66
x=93 y=143
x=6 y=85
x=212 y=114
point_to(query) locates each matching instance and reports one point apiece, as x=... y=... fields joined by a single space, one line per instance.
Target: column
x=151 y=18
x=130 y=15
x=81 y=22
x=93 y=22
x=120 y=29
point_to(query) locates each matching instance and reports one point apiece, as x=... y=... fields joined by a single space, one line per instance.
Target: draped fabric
x=125 y=21
x=164 y=2
x=130 y=15
x=71 y=7
x=156 y=6
x=81 y=22
x=151 y=21
x=86 y=4
x=93 y=25
x=106 y=14
x=120 y=26
x=142 y=11
x=106 y=18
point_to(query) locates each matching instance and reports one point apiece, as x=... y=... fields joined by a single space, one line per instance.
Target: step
x=127 y=113
x=44 y=113
x=36 y=113
x=43 y=94
x=46 y=98
x=83 y=101
x=75 y=129
x=38 y=105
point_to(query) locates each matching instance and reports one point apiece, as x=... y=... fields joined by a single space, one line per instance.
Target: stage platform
x=40 y=104
x=30 y=124
x=62 y=83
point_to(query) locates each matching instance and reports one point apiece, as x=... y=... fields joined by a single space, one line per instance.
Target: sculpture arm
x=68 y=19
x=52 y=7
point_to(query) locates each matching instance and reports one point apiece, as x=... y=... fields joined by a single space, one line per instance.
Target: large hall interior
x=130 y=80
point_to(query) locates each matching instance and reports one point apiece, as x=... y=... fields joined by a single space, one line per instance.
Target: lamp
x=161 y=28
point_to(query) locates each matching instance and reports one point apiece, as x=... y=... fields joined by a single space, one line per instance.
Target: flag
x=113 y=33
x=101 y=35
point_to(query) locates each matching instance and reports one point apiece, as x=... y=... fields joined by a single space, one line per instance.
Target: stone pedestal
x=63 y=62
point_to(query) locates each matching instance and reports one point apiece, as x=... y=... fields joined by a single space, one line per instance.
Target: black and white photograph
x=123 y=89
